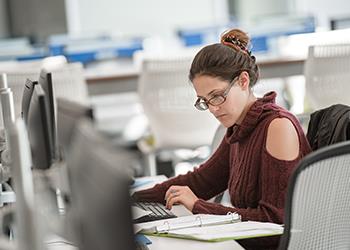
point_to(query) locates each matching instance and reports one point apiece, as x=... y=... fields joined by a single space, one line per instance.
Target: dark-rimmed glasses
x=217 y=99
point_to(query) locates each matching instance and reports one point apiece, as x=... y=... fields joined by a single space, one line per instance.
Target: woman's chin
x=226 y=123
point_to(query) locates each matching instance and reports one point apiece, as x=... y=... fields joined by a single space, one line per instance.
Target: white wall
x=250 y=11
x=324 y=9
x=143 y=17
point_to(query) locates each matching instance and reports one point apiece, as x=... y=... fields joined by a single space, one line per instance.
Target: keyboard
x=159 y=212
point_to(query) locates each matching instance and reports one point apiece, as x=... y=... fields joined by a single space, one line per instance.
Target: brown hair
x=227 y=59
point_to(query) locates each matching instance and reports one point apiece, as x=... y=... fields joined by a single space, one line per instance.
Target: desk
x=122 y=75
x=160 y=243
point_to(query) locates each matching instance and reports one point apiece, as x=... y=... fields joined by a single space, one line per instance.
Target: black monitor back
x=101 y=213
x=45 y=81
x=39 y=130
x=27 y=96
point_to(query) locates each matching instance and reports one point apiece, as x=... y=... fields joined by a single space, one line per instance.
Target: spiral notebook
x=211 y=228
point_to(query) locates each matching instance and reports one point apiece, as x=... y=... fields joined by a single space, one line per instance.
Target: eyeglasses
x=217 y=99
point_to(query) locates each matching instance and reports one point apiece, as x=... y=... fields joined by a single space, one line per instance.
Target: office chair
x=68 y=79
x=327 y=75
x=224 y=197
x=167 y=98
x=218 y=136
x=69 y=82
x=18 y=72
x=317 y=213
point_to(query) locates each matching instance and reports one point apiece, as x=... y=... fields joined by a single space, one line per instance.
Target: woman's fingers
x=173 y=200
x=173 y=190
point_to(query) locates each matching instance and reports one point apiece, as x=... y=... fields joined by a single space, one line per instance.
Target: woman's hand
x=180 y=195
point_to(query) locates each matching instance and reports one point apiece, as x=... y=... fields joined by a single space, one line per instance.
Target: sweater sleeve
x=206 y=181
x=274 y=178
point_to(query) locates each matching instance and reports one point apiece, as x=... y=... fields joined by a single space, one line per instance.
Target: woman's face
x=231 y=111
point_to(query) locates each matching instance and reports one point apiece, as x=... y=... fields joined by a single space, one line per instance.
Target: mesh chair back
x=168 y=97
x=218 y=136
x=68 y=80
x=318 y=204
x=327 y=73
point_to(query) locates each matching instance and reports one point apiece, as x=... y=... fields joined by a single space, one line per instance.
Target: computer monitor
x=100 y=198
x=39 y=130
x=28 y=230
x=68 y=113
x=45 y=80
x=27 y=96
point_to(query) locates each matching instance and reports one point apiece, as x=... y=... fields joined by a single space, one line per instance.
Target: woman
x=262 y=145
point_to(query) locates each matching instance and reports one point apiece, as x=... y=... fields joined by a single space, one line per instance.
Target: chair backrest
x=317 y=214
x=167 y=98
x=218 y=136
x=68 y=80
x=327 y=75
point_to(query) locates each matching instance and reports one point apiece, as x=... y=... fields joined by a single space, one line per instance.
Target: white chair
x=327 y=75
x=167 y=98
x=223 y=198
x=68 y=79
x=69 y=82
x=18 y=72
x=218 y=136
x=317 y=211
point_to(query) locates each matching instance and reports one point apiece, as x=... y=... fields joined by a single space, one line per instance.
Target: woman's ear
x=243 y=80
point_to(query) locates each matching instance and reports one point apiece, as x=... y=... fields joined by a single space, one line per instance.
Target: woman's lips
x=220 y=116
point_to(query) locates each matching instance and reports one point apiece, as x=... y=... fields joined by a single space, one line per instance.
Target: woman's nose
x=213 y=109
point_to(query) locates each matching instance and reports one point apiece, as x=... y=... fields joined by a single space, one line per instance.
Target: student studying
x=261 y=148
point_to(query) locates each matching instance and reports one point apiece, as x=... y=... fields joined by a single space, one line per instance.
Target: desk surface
x=177 y=244
x=161 y=243
x=270 y=67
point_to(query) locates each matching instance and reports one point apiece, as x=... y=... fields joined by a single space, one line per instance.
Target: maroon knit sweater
x=257 y=181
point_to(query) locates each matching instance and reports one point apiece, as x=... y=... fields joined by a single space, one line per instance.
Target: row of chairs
x=69 y=79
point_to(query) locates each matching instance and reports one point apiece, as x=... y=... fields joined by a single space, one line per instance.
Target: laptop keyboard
x=159 y=212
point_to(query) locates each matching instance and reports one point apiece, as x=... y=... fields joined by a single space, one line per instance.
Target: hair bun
x=236 y=39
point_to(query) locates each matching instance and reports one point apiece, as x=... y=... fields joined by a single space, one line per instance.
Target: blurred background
x=112 y=38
